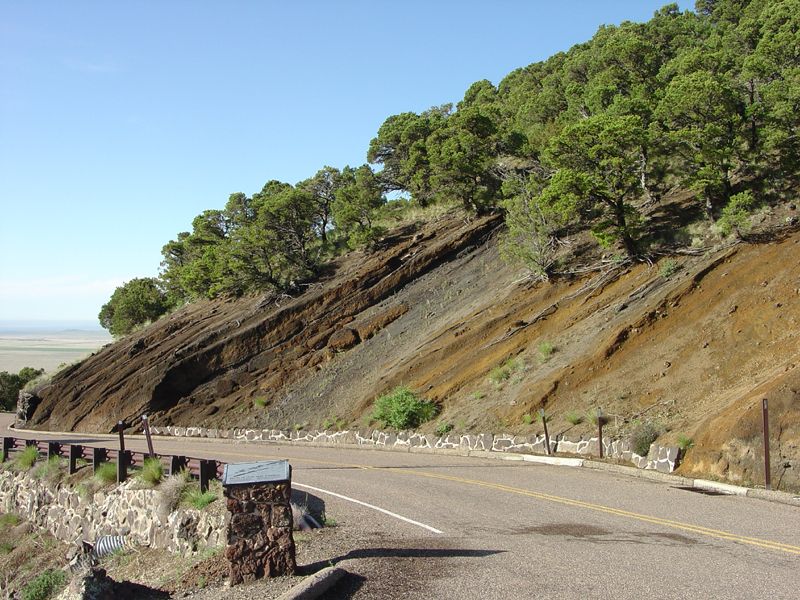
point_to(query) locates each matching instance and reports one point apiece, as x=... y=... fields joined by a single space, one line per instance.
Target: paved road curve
x=444 y=526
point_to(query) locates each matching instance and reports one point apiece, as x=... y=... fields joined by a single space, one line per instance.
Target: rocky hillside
x=689 y=344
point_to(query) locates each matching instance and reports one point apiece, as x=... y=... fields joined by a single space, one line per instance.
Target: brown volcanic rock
x=438 y=310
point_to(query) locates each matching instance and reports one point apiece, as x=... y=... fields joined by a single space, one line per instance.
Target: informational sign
x=256 y=472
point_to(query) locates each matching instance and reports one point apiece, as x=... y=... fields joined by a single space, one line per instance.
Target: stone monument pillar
x=260 y=542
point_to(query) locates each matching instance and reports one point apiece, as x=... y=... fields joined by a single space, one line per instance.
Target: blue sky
x=121 y=121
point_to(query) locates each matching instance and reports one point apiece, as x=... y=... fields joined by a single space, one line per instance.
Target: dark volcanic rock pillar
x=260 y=542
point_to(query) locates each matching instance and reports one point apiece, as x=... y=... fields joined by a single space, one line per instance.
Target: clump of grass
x=504 y=371
x=26 y=458
x=45 y=585
x=152 y=472
x=642 y=438
x=402 y=408
x=172 y=488
x=260 y=402
x=573 y=418
x=444 y=428
x=9 y=520
x=106 y=473
x=527 y=419
x=592 y=417
x=6 y=547
x=685 y=442
x=192 y=496
x=51 y=471
x=546 y=350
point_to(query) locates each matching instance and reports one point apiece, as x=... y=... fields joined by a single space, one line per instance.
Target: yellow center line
x=561 y=500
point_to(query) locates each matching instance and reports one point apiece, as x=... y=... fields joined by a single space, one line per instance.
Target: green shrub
x=668 y=268
x=573 y=418
x=403 y=409
x=527 y=419
x=736 y=215
x=642 y=438
x=26 y=458
x=260 y=402
x=45 y=585
x=151 y=473
x=106 y=473
x=685 y=442
x=6 y=547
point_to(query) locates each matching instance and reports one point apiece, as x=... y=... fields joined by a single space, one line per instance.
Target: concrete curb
x=315 y=585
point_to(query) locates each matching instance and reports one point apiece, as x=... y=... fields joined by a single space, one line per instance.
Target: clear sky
x=120 y=121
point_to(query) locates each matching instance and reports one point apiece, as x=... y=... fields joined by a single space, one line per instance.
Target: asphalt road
x=445 y=526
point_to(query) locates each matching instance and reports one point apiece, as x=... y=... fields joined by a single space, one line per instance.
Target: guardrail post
x=53 y=449
x=176 y=463
x=75 y=452
x=122 y=467
x=8 y=444
x=205 y=467
x=99 y=455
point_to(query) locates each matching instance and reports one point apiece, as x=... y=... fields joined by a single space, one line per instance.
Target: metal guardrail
x=205 y=470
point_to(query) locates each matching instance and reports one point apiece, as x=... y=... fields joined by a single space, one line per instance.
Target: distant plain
x=47 y=347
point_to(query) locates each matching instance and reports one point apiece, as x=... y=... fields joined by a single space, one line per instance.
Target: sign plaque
x=256 y=472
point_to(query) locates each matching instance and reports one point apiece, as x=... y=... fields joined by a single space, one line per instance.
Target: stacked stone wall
x=73 y=516
x=260 y=542
x=660 y=458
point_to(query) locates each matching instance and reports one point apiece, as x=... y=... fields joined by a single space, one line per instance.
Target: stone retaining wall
x=260 y=542
x=660 y=458
x=71 y=516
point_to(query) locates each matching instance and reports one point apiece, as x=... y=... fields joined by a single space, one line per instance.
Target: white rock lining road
x=520 y=529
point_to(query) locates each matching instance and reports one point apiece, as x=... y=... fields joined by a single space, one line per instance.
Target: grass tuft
x=642 y=438
x=26 y=458
x=192 y=496
x=45 y=585
x=151 y=473
x=573 y=418
x=106 y=473
x=685 y=442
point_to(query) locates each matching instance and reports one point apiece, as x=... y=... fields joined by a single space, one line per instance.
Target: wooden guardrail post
x=8 y=444
x=176 y=463
x=205 y=471
x=99 y=455
x=53 y=449
x=75 y=452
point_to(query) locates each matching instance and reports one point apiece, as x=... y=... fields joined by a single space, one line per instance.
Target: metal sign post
x=546 y=437
x=600 y=431
x=146 y=427
x=767 y=474
x=122 y=467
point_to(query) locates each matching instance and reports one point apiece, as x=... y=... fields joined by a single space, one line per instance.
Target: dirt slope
x=691 y=346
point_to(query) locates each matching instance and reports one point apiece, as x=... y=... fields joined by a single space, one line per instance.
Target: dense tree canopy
x=11 y=384
x=588 y=139
x=133 y=304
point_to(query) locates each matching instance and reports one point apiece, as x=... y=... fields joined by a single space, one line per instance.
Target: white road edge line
x=383 y=510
